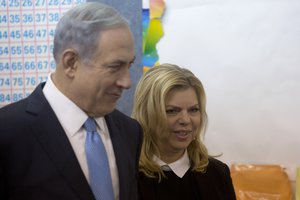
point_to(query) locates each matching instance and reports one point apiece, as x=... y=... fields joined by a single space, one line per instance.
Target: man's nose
x=124 y=81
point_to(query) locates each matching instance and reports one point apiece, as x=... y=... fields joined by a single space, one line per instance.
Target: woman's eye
x=171 y=111
x=195 y=110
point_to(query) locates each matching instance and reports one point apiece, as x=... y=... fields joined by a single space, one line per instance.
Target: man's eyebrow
x=120 y=61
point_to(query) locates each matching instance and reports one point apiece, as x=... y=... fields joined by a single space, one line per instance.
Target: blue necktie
x=99 y=173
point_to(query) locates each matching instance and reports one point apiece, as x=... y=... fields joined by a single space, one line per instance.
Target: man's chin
x=108 y=109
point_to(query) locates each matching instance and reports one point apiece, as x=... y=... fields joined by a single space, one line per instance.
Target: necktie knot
x=90 y=125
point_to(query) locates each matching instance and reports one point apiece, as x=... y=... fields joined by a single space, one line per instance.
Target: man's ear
x=70 y=61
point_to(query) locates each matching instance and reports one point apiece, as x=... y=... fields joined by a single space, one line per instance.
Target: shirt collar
x=179 y=167
x=70 y=116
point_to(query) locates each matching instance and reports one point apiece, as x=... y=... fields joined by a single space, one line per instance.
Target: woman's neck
x=171 y=157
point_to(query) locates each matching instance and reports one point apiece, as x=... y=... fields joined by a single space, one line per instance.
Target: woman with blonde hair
x=170 y=105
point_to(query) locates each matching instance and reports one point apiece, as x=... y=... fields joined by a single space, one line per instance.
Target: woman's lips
x=183 y=134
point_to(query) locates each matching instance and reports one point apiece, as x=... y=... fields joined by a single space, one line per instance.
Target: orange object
x=260 y=182
x=298 y=184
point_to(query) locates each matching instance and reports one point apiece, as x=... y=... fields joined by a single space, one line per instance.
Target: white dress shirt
x=72 y=118
x=179 y=167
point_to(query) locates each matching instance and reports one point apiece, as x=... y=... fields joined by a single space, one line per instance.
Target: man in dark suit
x=42 y=137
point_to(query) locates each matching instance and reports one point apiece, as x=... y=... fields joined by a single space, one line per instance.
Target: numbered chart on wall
x=27 y=29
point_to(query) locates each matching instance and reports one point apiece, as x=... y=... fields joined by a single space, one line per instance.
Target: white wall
x=247 y=54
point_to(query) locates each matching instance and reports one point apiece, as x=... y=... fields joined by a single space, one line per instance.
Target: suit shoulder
x=9 y=111
x=13 y=106
x=27 y=104
x=118 y=115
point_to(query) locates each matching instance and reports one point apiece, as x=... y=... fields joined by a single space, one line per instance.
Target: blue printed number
x=3 y=19
x=27 y=3
x=15 y=34
x=29 y=65
x=53 y=2
x=17 y=96
x=53 y=17
x=41 y=33
x=40 y=2
x=14 y=3
x=28 y=34
x=4 y=97
x=4 y=82
x=30 y=81
x=16 y=50
x=4 y=66
x=15 y=66
x=41 y=49
x=3 y=35
x=27 y=18
x=42 y=65
x=3 y=3
x=40 y=17
x=17 y=81
x=28 y=49
x=14 y=18
x=4 y=50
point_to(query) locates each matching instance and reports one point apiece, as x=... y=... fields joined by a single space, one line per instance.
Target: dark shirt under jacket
x=215 y=184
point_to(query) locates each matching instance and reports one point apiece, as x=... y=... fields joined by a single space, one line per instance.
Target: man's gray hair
x=81 y=26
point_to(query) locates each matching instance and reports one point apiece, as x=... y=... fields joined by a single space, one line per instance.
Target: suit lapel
x=54 y=141
x=120 y=153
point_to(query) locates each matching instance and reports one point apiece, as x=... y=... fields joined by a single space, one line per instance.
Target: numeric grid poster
x=27 y=29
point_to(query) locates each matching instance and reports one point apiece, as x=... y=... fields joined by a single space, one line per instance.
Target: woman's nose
x=184 y=118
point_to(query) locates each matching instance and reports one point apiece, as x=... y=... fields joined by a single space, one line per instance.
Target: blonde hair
x=149 y=110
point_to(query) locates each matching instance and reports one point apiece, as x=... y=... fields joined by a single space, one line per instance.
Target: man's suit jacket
x=37 y=160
